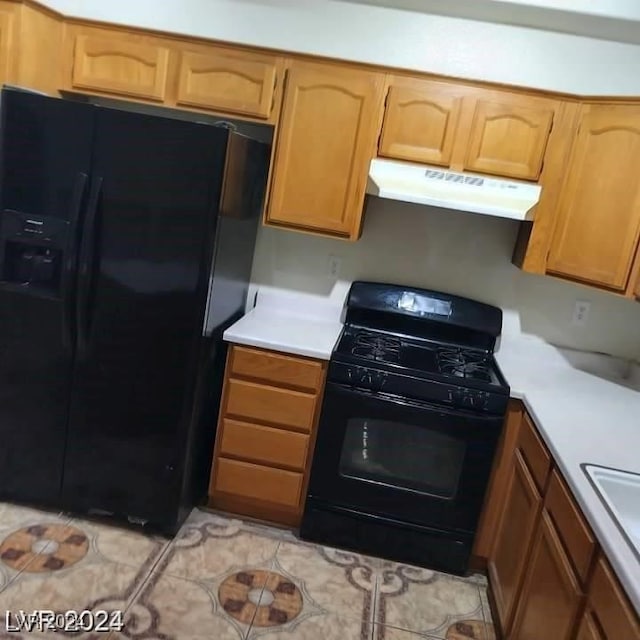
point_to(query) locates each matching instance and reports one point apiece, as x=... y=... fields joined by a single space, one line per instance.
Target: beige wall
x=461 y=253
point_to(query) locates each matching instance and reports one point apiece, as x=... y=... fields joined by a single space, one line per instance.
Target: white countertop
x=301 y=324
x=582 y=417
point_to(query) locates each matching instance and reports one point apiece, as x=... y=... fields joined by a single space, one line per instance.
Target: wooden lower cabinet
x=259 y=482
x=614 y=613
x=588 y=628
x=545 y=563
x=508 y=558
x=497 y=489
x=266 y=433
x=551 y=596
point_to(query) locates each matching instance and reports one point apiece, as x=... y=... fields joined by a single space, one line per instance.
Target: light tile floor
x=224 y=579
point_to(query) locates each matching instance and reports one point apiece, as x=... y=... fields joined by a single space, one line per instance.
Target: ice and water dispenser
x=32 y=250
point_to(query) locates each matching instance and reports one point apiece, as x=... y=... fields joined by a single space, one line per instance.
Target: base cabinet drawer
x=258 y=482
x=265 y=403
x=266 y=445
x=277 y=368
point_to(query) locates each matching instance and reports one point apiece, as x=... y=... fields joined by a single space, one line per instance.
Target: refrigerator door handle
x=85 y=267
x=71 y=259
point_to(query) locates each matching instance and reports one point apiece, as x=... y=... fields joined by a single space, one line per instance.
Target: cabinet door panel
x=115 y=65
x=551 y=596
x=599 y=213
x=277 y=368
x=270 y=404
x=513 y=540
x=509 y=138
x=420 y=122
x=611 y=605
x=498 y=484
x=325 y=144
x=7 y=49
x=264 y=445
x=588 y=629
x=571 y=526
x=258 y=482
x=225 y=82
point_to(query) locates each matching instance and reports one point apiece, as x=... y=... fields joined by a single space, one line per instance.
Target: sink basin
x=620 y=493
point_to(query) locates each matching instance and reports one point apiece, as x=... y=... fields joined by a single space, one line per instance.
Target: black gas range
x=456 y=375
x=413 y=409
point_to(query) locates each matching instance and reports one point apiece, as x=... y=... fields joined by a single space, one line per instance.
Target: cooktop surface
x=417 y=356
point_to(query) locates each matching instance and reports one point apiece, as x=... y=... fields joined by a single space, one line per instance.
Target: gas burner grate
x=464 y=363
x=385 y=348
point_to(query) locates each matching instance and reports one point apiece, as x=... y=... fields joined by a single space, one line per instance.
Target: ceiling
x=617 y=20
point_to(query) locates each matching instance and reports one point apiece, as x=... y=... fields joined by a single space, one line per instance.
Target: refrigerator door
x=144 y=266
x=45 y=156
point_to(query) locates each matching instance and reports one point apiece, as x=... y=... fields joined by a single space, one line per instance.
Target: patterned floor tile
x=229 y=580
x=486 y=608
x=425 y=601
x=16 y=551
x=120 y=544
x=200 y=515
x=209 y=546
x=391 y=633
x=476 y=578
x=315 y=627
x=333 y=582
x=85 y=585
x=171 y=608
x=65 y=564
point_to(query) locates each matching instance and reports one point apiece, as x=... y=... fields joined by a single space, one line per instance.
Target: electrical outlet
x=580 y=313
x=334 y=265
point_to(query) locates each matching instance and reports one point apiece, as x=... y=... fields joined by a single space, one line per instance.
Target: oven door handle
x=409 y=403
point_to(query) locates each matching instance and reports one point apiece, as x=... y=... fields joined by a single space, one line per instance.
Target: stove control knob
x=378 y=380
x=366 y=378
x=350 y=376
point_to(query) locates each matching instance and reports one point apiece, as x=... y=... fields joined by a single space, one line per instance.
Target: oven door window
x=402 y=456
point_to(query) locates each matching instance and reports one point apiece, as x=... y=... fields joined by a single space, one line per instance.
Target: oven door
x=407 y=460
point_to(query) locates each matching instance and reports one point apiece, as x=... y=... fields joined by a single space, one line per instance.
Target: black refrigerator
x=126 y=244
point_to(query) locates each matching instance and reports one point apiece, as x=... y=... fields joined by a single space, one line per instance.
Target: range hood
x=438 y=187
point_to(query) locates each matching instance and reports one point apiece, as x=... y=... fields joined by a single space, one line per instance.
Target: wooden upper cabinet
x=328 y=129
x=466 y=128
x=8 y=20
x=551 y=596
x=420 y=121
x=596 y=235
x=224 y=80
x=508 y=134
x=113 y=62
